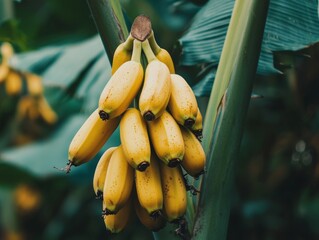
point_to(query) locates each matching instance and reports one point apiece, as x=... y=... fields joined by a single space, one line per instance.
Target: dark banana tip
x=199 y=174
x=104 y=115
x=99 y=195
x=173 y=163
x=142 y=166
x=189 y=122
x=198 y=133
x=149 y=116
x=107 y=212
x=155 y=214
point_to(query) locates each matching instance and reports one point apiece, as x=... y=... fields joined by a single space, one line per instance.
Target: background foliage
x=278 y=172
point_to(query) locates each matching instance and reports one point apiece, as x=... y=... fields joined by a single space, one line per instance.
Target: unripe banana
x=174 y=192
x=118 y=182
x=122 y=54
x=194 y=156
x=156 y=89
x=161 y=54
x=123 y=86
x=134 y=138
x=182 y=103
x=152 y=223
x=46 y=112
x=100 y=172
x=115 y=223
x=34 y=84
x=13 y=84
x=149 y=188
x=90 y=138
x=197 y=128
x=167 y=139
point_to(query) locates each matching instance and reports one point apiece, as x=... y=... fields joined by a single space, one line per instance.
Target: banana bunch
x=160 y=127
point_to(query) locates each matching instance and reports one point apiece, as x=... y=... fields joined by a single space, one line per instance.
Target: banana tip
x=173 y=163
x=189 y=122
x=107 y=212
x=149 y=116
x=155 y=214
x=142 y=166
x=104 y=115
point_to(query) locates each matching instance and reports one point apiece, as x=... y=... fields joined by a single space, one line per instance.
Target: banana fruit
x=122 y=54
x=122 y=87
x=134 y=138
x=174 y=192
x=167 y=139
x=13 y=83
x=118 y=182
x=182 y=103
x=100 y=172
x=194 y=156
x=149 y=188
x=90 y=138
x=156 y=89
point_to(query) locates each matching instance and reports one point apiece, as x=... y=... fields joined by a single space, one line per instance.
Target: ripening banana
x=100 y=172
x=134 y=139
x=161 y=53
x=34 y=84
x=122 y=87
x=13 y=83
x=118 y=182
x=197 y=128
x=167 y=139
x=7 y=51
x=152 y=223
x=115 y=223
x=46 y=112
x=90 y=138
x=182 y=103
x=156 y=89
x=194 y=156
x=149 y=188
x=174 y=192
x=122 y=54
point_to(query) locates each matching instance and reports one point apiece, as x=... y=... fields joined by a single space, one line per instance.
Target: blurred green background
x=277 y=173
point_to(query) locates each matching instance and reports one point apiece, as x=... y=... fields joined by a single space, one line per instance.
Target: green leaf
x=291 y=25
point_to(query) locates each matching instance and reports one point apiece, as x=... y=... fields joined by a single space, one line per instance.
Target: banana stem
x=148 y=51
x=155 y=47
x=128 y=44
x=137 y=50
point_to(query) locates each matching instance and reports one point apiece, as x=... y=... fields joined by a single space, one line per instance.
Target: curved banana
x=161 y=54
x=122 y=87
x=153 y=223
x=46 y=112
x=194 y=157
x=149 y=188
x=89 y=139
x=100 y=172
x=134 y=138
x=197 y=128
x=13 y=83
x=6 y=51
x=156 y=89
x=122 y=54
x=34 y=84
x=182 y=103
x=118 y=182
x=115 y=223
x=174 y=192
x=167 y=139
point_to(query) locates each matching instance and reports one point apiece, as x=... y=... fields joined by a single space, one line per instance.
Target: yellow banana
x=89 y=139
x=6 y=52
x=134 y=138
x=34 y=84
x=123 y=86
x=174 y=192
x=153 y=223
x=161 y=54
x=167 y=139
x=122 y=54
x=118 y=182
x=46 y=112
x=100 y=172
x=197 y=128
x=115 y=223
x=13 y=84
x=182 y=103
x=156 y=89
x=194 y=156
x=149 y=188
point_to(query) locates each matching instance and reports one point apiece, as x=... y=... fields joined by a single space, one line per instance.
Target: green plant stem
x=224 y=121
x=110 y=23
x=148 y=51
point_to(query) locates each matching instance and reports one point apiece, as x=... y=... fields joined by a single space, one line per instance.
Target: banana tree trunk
x=226 y=111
